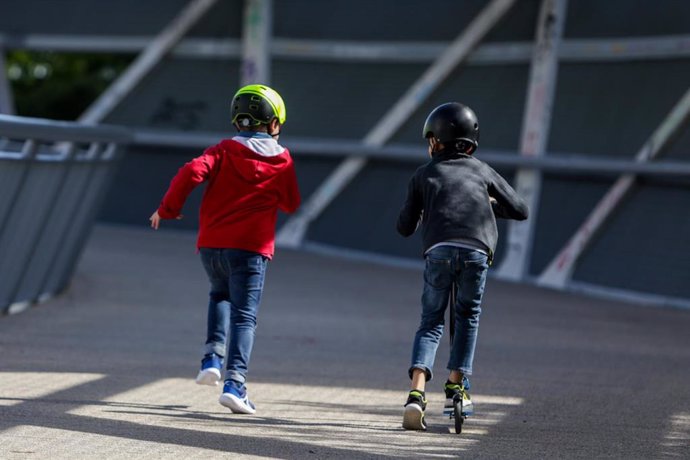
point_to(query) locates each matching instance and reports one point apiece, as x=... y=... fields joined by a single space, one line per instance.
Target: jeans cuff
x=215 y=348
x=427 y=371
x=462 y=370
x=236 y=376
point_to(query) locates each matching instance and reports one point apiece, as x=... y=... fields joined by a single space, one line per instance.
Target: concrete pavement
x=106 y=370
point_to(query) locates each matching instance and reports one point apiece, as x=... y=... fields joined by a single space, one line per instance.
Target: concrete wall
x=601 y=110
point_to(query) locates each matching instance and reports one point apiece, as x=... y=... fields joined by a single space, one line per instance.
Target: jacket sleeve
x=289 y=195
x=411 y=212
x=509 y=205
x=187 y=178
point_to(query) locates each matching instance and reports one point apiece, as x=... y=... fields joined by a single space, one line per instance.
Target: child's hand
x=492 y=200
x=155 y=220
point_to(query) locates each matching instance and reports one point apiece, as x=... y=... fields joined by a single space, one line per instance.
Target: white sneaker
x=210 y=370
x=210 y=376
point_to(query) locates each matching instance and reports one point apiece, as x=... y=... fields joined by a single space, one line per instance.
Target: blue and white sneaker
x=235 y=398
x=210 y=370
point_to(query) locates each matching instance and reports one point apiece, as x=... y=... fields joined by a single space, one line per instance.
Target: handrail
x=52 y=130
x=553 y=162
x=53 y=175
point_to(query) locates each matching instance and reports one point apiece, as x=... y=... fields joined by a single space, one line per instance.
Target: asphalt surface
x=106 y=370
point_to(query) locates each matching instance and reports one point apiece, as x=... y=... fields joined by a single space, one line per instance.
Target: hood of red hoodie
x=256 y=158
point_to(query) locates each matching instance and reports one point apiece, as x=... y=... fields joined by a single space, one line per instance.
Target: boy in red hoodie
x=249 y=178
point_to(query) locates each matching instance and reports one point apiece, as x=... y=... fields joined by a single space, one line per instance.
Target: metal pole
x=6 y=99
x=560 y=270
x=146 y=61
x=292 y=233
x=535 y=134
x=256 y=42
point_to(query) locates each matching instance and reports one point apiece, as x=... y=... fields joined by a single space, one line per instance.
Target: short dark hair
x=460 y=145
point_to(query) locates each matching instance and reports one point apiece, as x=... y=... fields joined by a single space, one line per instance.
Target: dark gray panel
x=612 y=109
x=364 y=216
x=338 y=99
x=410 y=20
x=679 y=148
x=54 y=232
x=496 y=94
x=119 y=18
x=326 y=99
x=621 y=18
x=25 y=224
x=11 y=178
x=92 y=187
x=646 y=246
x=224 y=20
x=182 y=95
x=88 y=17
x=140 y=182
x=565 y=203
x=345 y=101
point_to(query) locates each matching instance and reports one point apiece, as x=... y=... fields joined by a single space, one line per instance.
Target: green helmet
x=257 y=104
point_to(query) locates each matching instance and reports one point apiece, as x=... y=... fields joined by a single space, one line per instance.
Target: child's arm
x=187 y=178
x=411 y=211
x=289 y=195
x=506 y=202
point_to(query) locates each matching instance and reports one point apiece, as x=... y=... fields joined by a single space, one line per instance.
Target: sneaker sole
x=235 y=404
x=413 y=418
x=210 y=376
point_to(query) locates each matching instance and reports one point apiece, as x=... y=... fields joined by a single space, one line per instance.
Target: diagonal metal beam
x=294 y=230
x=558 y=273
x=535 y=134
x=146 y=61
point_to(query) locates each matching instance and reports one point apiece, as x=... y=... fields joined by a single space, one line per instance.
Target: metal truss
x=257 y=47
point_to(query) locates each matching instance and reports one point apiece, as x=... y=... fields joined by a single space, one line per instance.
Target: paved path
x=106 y=370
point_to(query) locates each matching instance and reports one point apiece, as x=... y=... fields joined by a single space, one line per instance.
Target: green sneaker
x=413 y=417
x=458 y=390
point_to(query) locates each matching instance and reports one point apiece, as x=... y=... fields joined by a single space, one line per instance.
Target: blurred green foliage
x=60 y=86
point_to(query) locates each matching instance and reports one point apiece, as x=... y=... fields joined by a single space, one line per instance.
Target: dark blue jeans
x=237 y=281
x=446 y=265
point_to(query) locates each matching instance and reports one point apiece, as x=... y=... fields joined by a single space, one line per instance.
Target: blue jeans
x=446 y=265
x=237 y=281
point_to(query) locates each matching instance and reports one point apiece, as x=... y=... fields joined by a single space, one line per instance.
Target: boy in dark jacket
x=456 y=198
x=249 y=178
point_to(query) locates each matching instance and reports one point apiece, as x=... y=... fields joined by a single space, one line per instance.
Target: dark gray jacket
x=451 y=196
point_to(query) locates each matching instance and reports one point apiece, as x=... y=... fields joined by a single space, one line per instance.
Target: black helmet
x=257 y=104
x=451 y=123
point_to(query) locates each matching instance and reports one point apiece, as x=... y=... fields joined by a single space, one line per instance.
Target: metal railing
x=53 y=176
x=554 y=162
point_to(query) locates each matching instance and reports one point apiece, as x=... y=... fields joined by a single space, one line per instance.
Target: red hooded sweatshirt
x=249 y=177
